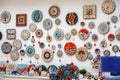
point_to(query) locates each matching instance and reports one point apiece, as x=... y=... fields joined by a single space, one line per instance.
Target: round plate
x=14 y=55
x=59 y=53
x=58 y=34
x=54 y=11
x=117 y=34
x=37 y=16
x=70 y=48
x=30 y=51
x=72 y=18
x=67 y=36
x=94 y=37
x=59 y=46
x=103 y=28
x=42 y=45
x=82 y=54
x=88 y=45
x=103 y=43
x=17 y=44
x=33 y=27
x=91 y=25
x=47 y=24
x=90 y=56
x=74 y=32
x=22 y=52
x=47 y=55
x=5 y=17
x=25 y=34
x=36 y=56
x=57 y=21
x=111 y=37
x=115 y=48
x=97 y=51
x=53 y=47
x=106 y=53
x=0 y=35
x=49 y=38
x=83 y=34
x=114 y=19
x=39 y=33
x=6 y=47
x=52 y=69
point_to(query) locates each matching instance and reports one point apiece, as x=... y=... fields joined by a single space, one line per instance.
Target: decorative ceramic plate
x=17 y=44
x=88 y=45
x=10 y=68
x=52 y=69
x=106 y=53
x=22 y=52
x=41 y=68
x=114 y=19
x=90 y=56
x=0 y=35
x=47 y=24
x=59 y=53
x=103 y=28
x=54 y=11
x=115 y=48
x=83 y=34
x=30 y=51
x=117 y=34
x=49 y=38
x=37 y=16
x=14 y=55
x=72 y=18
x=25 y=34
x=33 y=27
x=53 y=47
x=94 y=37
x=59 y=46
x=36 y=56
x=82 y=54
x=103 y=43
x=57 y=21
x=91 y=25
x=67 y=36
x=39 y=33
x=6 y=47
x=5 y=17
x=42 y=45
x=111 y=37
x=97 y=51
x=70 y=48
x=58 y=34
x=47 y=55
x=74 y=32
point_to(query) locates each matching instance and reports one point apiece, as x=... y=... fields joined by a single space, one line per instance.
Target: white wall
x=66 y=6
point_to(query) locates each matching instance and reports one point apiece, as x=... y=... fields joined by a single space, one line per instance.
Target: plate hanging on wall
x=25 y=34
x=47 y=24
x=88 y=45
x=70 y=48
x=72 y=18
x=83 y=34
x=32 y=27
x=59 y=53
x=54 y=11
x=57 y=21
x=106 y=53
x=5 y=17
x=14 y=55
x=94 y=37
x=37 y=16
x=91 y=25
x=22 y=52
x=58 y=34
x=6 y=47
x=67 y=36
x=114 y=19
x=52 y=69
x=115 y=48
x=0 y=35
x=30 y=51
x=117 y=34
x=36 y=56
x=111 y=37
x=17 y=44
x=103 y=28
x=103 y=43
x=39 y=33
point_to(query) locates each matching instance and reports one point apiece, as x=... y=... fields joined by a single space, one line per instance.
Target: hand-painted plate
x=58 y=34
x=0 y=35
x=36 y=56
x=54 y=11
x=49 y=38
x=74 y=32
x=10 y=68
x=42 y=45
x=103 y=43
x=47 y=24
x=103 y=28
x=14 y=55
x=115 y=48
x=88 y=45
x=32 y=27
x=41 y=68
x=90 y=56
x=114 y=19
x=82 y=54
x=67 y=36
x=59 y=53
x=30 y=51
x=72 y=18
x=106 y=53
x=25 y=34
x=22 y=52
x=83 y=34
x=59 y=46
x=52 y=69
x=39 y=33
x=94 y=37
x=37 y=16
x=5 y=17
x=47 y=55
x=111 y=37
x=97 y=51
x=117 y=34
x=53 y=47
x=57 y=21
x=17 y=44
x=6 y=47
x=70 y=48
x=91 y=25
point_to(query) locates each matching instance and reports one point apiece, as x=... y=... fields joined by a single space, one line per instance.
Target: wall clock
x=103 y=28
x=89 y=11
x=5 y=17
x=14 y=55
x=108 y=6
x=17 y=44
x=37 y=16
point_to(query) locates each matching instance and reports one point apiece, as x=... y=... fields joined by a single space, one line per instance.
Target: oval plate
x=47 y=24
x=32 y=27
x=37 y=16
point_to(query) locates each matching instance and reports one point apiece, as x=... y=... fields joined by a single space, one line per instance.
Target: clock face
x=108 y=6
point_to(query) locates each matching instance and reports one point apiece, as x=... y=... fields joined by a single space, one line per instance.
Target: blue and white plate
x=37 y=16
x=30 y=51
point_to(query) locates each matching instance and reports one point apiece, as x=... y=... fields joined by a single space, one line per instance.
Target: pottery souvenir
x=49 y=38
x=37 y=16
x=59 y=53
x=25 y=34
x=115 y=48
x=53 y=47
x=91 y=25
x=47 y=24
x=32 y=27
x=6 y=47
x=5 y=17
x=39 y=33
x=30 y=51
x=14 y=55
x=36 y=56
x=90 y=56
x=83 y=34
x=94 y=37
x=103 y=43
x=42 y=45
x=57 y=21
x=17 y=44
x=97 y=51
x=88 y=45
x=111 y=37
x=114 y=19
x=106 y=53
x=103 y=28
x=59 y=46
x=59 y=34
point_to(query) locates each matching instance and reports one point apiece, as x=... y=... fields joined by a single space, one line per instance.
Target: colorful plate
x=74 y=32
x=30 y=51
x=111 y=37
x=57 y=21
x=6 y=47
x=5 y=17
x=103 y=43
x=91 y=25
x=103 y=28
x=25 y=34
x=37 y=16
x=22 y=52
x=83 y=34
x=52 y=69
x=117 y=34
x=97 y=51
x=58 y=34
x=42 y=45
x=115 y=48
x=14 y=55
x=17 y=44
x=49 y=38
x=39 y=33
x=32 y=27
x=88 y=45
x=106 y=53
x=47 y=24
x=94 y=37
x=114 y=19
